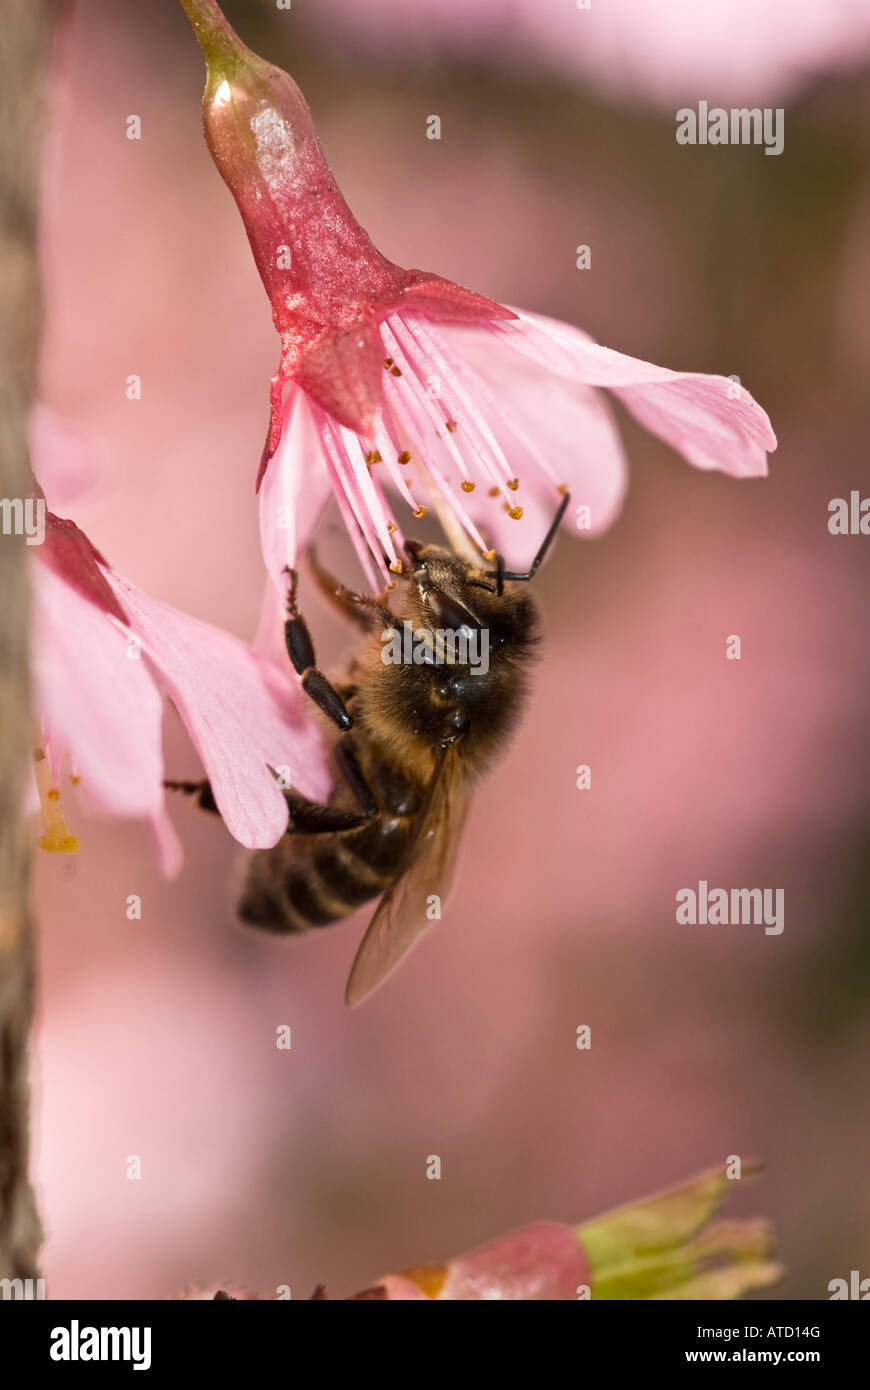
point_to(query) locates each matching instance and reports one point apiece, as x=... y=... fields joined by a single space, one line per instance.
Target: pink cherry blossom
x=104 y=654
x=497 y=411
x=544 y=1261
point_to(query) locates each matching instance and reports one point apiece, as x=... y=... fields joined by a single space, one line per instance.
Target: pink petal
x=167 y=845
x=546 y=425
x=295 y=489
x=98 y=706
x=543 y=1261
x=242 y=719
x=269 y=644
x=711 y=420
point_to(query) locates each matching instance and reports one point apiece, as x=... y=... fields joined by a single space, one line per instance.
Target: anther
x=57 y=838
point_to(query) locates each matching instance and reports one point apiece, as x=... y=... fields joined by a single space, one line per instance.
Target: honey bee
x=435 y=688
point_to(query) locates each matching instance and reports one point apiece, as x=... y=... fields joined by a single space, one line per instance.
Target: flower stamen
x=420 y=393
x=385 y=437
x=481 y=438
x=403 y=416
x=57 y=838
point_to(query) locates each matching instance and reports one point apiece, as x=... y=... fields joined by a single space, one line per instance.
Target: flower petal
x=543 y=1261
x=99 y=707
x=554 y=432
x=711 y=420
x=242 y=719
x=295 y=488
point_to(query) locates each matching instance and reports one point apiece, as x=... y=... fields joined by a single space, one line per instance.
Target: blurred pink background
x=157 y=1037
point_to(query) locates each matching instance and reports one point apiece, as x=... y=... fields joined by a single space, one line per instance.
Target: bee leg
x=300 y=649
x=309 y=818
x=306 y=817
x=201 y=790
x=364 y=611
x=355 y=778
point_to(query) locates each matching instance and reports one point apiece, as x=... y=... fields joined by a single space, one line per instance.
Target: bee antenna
x=501 y=574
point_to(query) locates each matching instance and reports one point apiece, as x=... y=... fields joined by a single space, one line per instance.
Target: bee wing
x=401 y=918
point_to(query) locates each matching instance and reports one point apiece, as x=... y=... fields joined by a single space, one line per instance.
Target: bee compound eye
x=451 y=613
x=413 y=550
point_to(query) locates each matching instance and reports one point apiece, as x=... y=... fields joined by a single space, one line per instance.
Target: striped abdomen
x=311 y=880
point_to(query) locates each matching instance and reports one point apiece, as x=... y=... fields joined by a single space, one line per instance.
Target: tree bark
x=23 y=47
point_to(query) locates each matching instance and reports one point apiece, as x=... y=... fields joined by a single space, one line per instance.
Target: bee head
x=449 y=592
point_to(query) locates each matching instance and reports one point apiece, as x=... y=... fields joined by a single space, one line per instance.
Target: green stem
x=216 y=37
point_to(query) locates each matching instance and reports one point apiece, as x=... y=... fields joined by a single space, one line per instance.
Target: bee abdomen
x=325 y=880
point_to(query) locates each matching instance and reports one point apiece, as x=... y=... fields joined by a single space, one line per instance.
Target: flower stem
x=218 y=40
